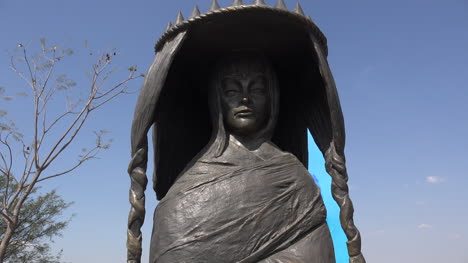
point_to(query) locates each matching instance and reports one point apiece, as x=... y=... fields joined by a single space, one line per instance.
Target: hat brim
x=246 y=26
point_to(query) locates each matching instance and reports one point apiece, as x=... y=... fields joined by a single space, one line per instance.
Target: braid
x=136 y=217
x=336 y=167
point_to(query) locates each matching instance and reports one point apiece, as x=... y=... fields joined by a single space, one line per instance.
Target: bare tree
x=52 y=133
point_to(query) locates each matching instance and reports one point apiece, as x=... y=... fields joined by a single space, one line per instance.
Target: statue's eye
x=231 y=88
x=231 y=92
x=257 y=88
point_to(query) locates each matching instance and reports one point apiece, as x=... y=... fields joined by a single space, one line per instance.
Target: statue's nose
x=245 y=100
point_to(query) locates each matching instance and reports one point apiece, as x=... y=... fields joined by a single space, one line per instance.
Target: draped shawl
x=242 y=210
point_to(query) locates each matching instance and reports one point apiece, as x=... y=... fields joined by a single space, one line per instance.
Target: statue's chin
x=244 y=127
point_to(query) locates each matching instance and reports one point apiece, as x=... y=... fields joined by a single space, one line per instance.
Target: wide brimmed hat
x=187 y=52
x=254 y=22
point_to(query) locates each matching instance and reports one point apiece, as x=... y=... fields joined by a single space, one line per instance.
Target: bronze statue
x=231 y=95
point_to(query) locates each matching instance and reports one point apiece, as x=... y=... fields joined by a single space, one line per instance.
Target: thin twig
x=106 y=100
x=33 y=78
x=77 y=129
x=58 y=119
x=50 y=71
x=13 y=67
x=7 y=166
x=131 y=77
x=80 y=162
x=70 y=127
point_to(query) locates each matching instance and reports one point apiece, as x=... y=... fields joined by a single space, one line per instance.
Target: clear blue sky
x=401 y=68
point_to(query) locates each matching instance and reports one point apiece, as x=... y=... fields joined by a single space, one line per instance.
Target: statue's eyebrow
x=230 y=78
x=239 y=75
x=259 y=76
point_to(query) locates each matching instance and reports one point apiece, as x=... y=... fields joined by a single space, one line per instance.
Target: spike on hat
x=195 y=12
x=237 y=2
x=259 y=2
x=169 y=25
x=281 y=5
x=214 y=5
x=298 y=9
x=180 y=19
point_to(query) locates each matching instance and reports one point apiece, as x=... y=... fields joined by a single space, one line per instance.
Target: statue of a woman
x=242 y=198
x=231 y=95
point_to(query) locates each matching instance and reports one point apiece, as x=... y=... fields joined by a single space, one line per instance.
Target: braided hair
x=143 y=119
x=332 y=147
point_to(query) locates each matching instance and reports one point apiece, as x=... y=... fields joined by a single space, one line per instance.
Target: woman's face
x=245 y=100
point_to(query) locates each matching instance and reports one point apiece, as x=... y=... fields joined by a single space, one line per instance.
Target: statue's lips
x=244 y=113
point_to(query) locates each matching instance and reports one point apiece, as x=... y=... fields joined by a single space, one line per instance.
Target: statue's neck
x=251 y=143
x=264 y=149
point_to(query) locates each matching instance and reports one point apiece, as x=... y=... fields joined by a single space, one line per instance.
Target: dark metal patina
x=231 y=95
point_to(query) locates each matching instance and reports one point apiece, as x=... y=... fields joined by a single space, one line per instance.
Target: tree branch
x=48 y=159
x=36 y=117
x=58 y=119
x=86 y=157
x=13 y=67
x=77 y=129
x=50 y=71
x=33 y=78
x=130 y=77
x=107 y=100
x=6 y=216
x=8 y=166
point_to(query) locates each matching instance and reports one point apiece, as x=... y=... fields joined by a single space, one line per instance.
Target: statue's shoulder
x=276 y=151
